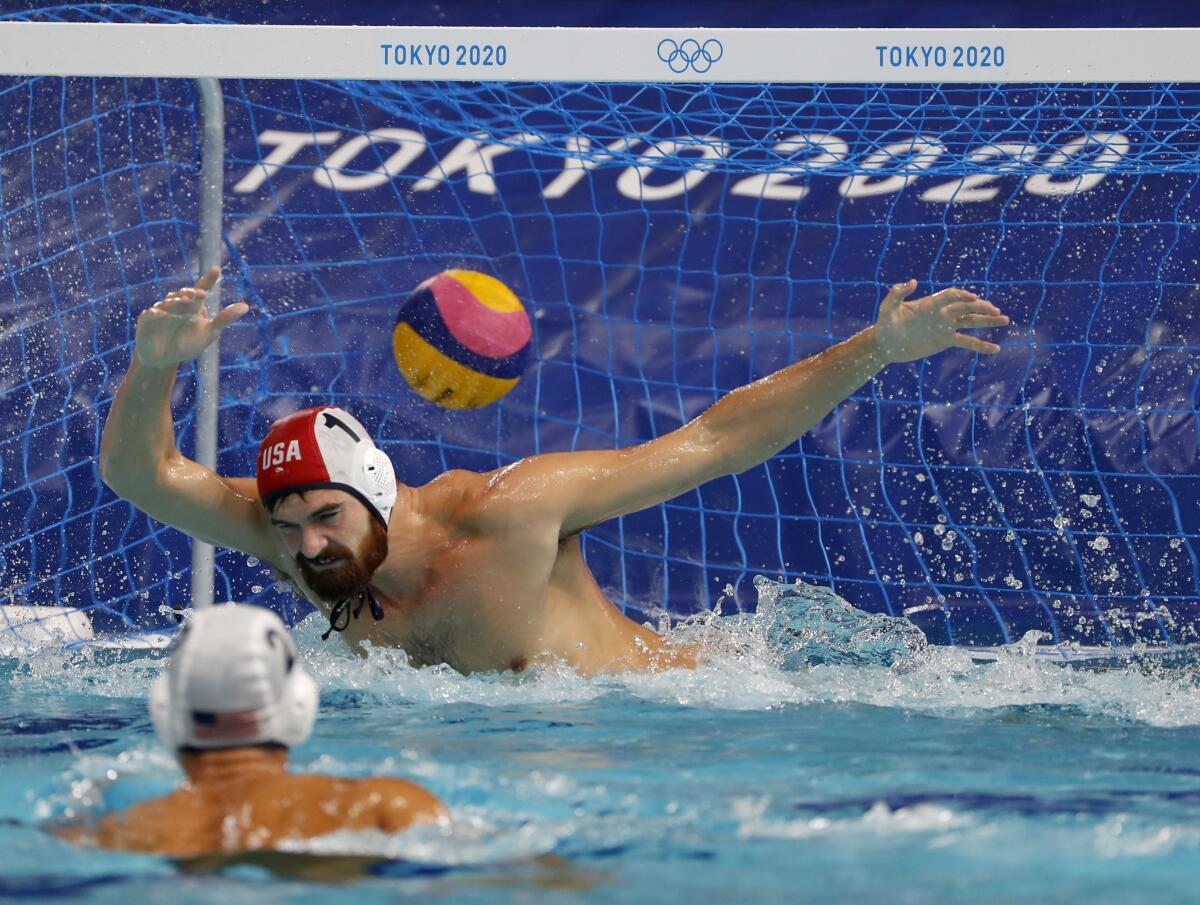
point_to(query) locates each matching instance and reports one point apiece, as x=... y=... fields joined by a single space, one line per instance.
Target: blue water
x=819 y=755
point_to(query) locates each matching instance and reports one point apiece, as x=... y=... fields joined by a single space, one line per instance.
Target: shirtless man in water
x=231 y=702
x=484 y=572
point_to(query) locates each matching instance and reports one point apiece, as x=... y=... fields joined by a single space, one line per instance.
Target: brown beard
x=352 y=573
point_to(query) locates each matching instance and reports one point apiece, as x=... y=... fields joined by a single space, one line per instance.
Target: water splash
x=755 y=821
x=810 y=625
x=803 y=645
x=472 y=836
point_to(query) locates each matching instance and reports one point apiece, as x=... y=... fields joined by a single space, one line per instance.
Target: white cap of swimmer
x=234 y=680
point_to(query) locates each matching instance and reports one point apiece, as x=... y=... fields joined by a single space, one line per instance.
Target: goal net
x=670 y=243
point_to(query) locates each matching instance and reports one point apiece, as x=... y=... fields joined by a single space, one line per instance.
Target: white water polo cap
x=326 y=447
x=234 y=680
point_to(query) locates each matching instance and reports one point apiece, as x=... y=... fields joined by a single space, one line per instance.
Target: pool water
x=819 y=755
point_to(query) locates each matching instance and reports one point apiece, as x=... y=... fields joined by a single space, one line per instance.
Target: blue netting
x=1161 y=121
x=1052 y=487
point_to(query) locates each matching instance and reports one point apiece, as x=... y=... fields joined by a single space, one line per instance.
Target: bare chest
x=479 y=606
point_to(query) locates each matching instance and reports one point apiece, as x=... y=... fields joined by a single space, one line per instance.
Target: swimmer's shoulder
x=398 y=802
x=452 y=496
x=384 y=803
x=455 y=483
x=494 y=502
x=173 y=824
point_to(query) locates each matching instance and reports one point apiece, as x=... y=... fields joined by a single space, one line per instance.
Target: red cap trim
x=289 y=455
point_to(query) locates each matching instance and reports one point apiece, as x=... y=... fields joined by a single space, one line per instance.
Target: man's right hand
x=179 y=328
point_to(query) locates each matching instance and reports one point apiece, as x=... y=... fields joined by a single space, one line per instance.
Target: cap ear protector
x=325 y=447
x=378 y=477
x=233 y=680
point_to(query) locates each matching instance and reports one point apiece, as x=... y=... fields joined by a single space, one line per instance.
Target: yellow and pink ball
x=461 y=339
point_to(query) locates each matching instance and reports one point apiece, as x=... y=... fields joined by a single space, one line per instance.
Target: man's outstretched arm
x=750 y=424
x=138 y=456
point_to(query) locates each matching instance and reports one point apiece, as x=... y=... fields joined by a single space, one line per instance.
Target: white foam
x=741 y=670
x=54 y=670
x=471 y=836
x=82 y=789
x=1125 y=836
x=26 y=628
x=976 y=835
x=879 y=820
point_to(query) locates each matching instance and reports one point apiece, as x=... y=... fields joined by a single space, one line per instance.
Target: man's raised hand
x=906 y=331
x=179 y=328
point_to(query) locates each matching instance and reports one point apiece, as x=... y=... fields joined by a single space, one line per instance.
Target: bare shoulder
x=398 y=802
x=378 y=802
x=457 y=482
x=181 y=801
x=153 y=825
x=452 y=495
x=401 y=790
x=530 y=490
x=341 y=788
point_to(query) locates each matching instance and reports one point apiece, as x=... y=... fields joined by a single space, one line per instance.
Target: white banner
x=601 y=54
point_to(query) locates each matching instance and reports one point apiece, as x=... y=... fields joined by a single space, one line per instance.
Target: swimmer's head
x=234 y=680
x=325 y=447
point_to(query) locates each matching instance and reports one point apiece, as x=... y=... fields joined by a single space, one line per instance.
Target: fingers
x=230 y=315
x=955 y=296
x=899 y=293
x=209 y=280
x=978 y=306
x=977 y=321
x=183 y=301
x=189 y=303
x=974 y=315
x=975 y=344
x=193 y=296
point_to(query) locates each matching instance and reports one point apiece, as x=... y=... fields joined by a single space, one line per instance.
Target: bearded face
x=339 y=572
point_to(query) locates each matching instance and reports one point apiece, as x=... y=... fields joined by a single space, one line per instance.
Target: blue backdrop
x=1052 y=487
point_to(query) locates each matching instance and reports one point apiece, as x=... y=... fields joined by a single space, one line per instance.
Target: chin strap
x=339 y=618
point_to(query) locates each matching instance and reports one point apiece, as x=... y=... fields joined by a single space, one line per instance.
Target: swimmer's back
x=254 y=815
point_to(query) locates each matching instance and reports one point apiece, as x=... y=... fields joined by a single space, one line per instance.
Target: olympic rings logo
x=690 y=54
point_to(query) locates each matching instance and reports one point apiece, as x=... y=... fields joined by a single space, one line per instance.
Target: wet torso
x=501 y=593
x=257 y=815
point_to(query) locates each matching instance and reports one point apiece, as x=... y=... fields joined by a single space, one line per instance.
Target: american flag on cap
x=233 y=725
